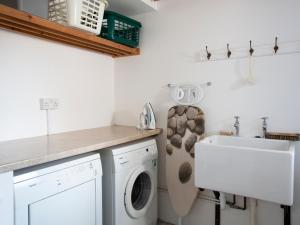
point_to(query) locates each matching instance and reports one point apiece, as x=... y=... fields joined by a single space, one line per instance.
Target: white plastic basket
x=83 y=14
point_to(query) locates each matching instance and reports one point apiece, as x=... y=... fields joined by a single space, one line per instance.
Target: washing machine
x=130 y=184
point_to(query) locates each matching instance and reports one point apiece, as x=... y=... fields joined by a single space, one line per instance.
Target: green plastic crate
x=120 y=29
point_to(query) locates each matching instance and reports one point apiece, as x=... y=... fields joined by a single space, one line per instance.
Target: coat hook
x=276 y=48
x=228 y=51
x=208 y=53
x=251 y=49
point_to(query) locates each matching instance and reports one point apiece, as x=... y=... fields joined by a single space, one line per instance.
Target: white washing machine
x=130 y=184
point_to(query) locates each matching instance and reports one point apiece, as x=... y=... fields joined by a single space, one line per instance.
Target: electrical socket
x=48 y=103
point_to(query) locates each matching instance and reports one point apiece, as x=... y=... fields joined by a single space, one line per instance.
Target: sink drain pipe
x=287 y=214
x=179 y=220
x=253 y=205
x=217 y=209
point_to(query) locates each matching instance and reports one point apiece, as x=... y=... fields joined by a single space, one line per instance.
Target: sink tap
x=237 y=126
x=264 y=126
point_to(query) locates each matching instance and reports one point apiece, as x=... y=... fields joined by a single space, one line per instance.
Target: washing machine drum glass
x=139 y=193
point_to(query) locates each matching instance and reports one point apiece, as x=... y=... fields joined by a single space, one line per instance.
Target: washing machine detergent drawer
x=64 y=197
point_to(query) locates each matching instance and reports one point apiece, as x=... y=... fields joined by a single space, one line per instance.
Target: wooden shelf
x=19 y=21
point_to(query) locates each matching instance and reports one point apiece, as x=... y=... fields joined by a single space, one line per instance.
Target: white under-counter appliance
x=130 y=184
x=6 y=198
x=64 y=192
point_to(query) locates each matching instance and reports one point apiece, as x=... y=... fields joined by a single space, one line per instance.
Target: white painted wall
x=32 y=68
x=171 y=40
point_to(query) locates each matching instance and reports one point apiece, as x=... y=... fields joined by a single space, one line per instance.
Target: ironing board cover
x=185 y=127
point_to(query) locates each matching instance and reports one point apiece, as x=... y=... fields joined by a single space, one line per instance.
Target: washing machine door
x=139 y=192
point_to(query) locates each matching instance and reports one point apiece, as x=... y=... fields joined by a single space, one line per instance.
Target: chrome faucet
x=264 y=126
x=237 y=126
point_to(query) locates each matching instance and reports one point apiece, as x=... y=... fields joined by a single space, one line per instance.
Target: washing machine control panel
x=128 y=159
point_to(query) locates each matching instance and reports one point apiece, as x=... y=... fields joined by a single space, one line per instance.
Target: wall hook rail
x=231 y=52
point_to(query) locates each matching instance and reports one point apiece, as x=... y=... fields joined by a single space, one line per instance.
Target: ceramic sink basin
x=251 y=167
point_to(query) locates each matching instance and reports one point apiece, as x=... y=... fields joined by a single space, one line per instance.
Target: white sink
x=251 y=167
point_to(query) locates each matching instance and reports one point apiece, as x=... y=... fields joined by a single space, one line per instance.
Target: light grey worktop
x=18 y=154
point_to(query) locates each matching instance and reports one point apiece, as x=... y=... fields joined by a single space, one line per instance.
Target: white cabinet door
x=6 y=199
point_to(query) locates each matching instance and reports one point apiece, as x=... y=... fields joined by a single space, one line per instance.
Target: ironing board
x=185 y=127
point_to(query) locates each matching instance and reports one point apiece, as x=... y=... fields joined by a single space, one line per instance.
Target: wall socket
x=48 y=103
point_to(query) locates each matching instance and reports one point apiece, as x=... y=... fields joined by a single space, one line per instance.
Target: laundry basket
x=120 y=29
x=83 y=14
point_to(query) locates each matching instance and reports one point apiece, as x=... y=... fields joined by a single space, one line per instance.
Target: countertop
x=22 y=153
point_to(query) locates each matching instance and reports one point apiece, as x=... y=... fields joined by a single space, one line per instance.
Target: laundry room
x=149 y=112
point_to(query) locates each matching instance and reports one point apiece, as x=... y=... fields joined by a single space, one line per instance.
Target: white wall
x=32 y=68
x=171 y=41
